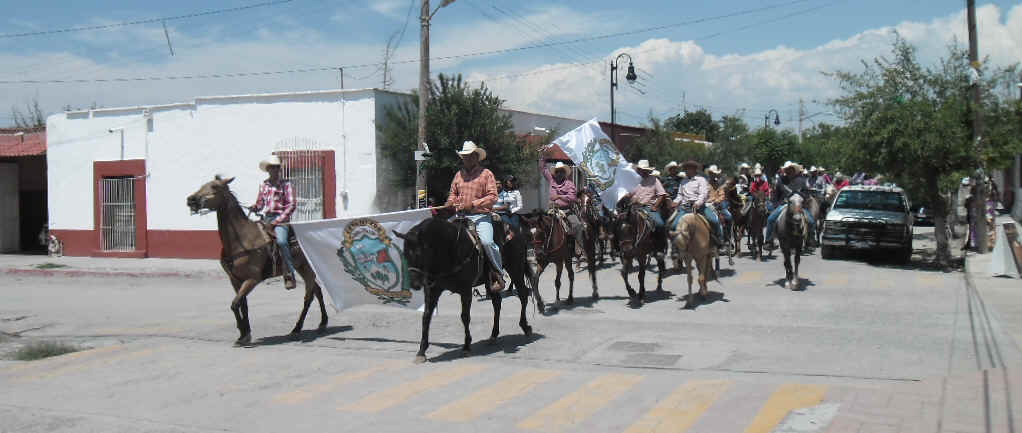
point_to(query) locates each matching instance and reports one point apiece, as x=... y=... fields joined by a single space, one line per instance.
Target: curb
x=72 y=273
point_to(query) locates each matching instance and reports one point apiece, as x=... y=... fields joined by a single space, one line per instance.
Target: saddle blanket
x=359 y=260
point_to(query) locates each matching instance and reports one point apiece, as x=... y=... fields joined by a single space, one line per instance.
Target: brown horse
x=552 y=244
x=636 y=239
x=755 y=223
x=589 y=211
x=692 y=241
x=248 y=255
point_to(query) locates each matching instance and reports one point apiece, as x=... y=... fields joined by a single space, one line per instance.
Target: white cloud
x=390 y=8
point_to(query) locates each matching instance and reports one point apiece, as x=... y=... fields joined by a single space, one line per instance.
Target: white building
x=118 y=177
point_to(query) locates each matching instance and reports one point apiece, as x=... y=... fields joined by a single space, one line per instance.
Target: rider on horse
x=790 y=183
x=276 y=201
x=718 y=192
x=649 y=194
x=671 y=181
x=473 y=192
x=692 y=196
x=563 y=196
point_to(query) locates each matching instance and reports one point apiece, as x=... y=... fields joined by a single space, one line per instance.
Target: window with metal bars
x=117 y=212
x=304 y=169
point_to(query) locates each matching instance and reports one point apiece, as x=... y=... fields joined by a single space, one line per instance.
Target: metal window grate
x=302 y=165
x=117 y=212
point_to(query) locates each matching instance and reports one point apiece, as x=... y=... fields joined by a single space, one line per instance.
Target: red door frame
x=326 y=160
x=130 y=167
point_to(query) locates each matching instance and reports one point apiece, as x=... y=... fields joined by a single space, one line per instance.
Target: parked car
x=869 y=218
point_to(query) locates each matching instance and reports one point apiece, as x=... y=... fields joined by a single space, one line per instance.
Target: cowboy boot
x=289 y=281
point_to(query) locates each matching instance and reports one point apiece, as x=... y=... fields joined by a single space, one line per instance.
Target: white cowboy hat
x=644 y=165
x=713 y=169
x=560 y=166
x=789 y=164
x=670 y=165
x=469 y=147
x=758 y=166
x=743 y=165
x=266 y=163
x=821 y=169
x=757 y=171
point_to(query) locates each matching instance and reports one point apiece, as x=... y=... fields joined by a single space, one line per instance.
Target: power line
x=144 y=21
x=450 y=57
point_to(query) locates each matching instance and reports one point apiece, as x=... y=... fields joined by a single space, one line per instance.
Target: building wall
x=185 y=145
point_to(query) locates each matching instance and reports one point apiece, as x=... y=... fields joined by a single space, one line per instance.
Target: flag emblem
x=600 y=161
x=372 y=259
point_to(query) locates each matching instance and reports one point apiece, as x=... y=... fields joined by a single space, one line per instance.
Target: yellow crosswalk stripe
x=85 y=365
x=838 y=281
x=311 y=391
x=788 y=397
x=48 y=362
x=574 y=408
x=750 y=276
x=399 y=394
x=680 y=410
x=492 y=397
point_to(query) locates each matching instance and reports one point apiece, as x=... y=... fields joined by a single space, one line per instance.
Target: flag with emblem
x=360 y=260
x=605 y=168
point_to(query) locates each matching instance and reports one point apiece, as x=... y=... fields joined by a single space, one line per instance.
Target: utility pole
x=801 y=116
x=979 y=222
x=420 y=175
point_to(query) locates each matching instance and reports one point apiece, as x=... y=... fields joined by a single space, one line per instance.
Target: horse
x=739 y=220
x=589 y=211
x=552 y=244
x=792 y=229
x=248 y=255
x=813 y=207
x=636 y=239
x=756 y=221
x=442 y=256
x=691 y=238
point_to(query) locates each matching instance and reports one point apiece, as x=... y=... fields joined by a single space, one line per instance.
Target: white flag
x=604 y=167
x=359 y=260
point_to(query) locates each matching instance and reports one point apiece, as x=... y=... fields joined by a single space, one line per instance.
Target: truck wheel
x=827 y=252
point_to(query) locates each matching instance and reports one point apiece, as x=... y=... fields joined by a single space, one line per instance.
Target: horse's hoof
x=321 y=329
x=243 y=341
x=541 y=308
x=295 y=335
x=596 y=296
x=527 y=330
x=569 y=301
x=465 y=351
x=419 y=359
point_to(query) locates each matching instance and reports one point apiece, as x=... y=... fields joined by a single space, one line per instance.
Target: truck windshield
x=870 y=200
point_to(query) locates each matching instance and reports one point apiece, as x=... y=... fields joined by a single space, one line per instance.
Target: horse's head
x=538 y=225
x=211 y=196
x=626 y=229
x=795 y=215
x=415 y=253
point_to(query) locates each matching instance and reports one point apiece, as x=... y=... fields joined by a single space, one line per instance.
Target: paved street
x=867 y=346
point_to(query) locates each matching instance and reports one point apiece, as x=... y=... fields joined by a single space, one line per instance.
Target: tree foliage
x=456 y=113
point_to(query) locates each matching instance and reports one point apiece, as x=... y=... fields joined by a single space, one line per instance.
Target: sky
x=737 y=57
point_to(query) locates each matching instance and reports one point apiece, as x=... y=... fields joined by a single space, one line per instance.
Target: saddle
x=498 y=237
x=561 y=217
x=276 y=259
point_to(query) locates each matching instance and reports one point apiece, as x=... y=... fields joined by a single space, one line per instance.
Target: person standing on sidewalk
x=276 y=201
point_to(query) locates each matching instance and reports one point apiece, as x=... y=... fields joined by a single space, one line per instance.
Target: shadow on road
x=505 y=343
x=305 y=336
x=803 y=284
x=391 y=340
x=711 y=297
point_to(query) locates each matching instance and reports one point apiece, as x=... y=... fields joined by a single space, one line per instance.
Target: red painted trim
x=130 y=167
x=184 y=244
x=119 y=254
x=77 y=242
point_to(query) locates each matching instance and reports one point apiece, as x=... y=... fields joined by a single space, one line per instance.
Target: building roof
x=22 y=142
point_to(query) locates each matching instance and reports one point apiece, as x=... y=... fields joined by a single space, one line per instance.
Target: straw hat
x=644 y=165
x=758 y=171
x=758 y=166
x=670 y=165
x=795 y=165
x=821 y=169
x=743 y=165
x=713 y=169
x=560 y=166
x=469 y=147
x=813 y=168
x=265 y=164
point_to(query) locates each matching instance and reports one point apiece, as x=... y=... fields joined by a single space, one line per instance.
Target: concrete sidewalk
x=40 y=265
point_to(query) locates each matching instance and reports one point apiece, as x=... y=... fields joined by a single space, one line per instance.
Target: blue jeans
x=710 y=215
x=772 y=221
x=511 y=219
x=658 y=220
x=484 y=227
x=282 y=231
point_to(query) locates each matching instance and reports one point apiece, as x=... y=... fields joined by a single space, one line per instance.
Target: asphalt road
x=162 y=360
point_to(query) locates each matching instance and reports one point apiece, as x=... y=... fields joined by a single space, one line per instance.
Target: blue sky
x=743 y=64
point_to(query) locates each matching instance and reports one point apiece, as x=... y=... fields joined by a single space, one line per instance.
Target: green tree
x=659 y=146
x=914 y=122
x=732 y=145
x=456 y=113
x=694 y=122
x=772 y=147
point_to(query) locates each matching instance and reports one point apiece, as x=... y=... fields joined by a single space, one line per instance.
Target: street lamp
x=425 y=17
x=630 y=76
x=777 y=118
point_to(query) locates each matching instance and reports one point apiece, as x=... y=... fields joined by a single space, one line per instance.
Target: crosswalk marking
x=788 y=397
x=681 y=409
x=399 y=394
x=749 y=276
x=836 y=281
x=574 y=408
x=492 y=397
x=308 y=392
x=85 y=365
x=48 y=362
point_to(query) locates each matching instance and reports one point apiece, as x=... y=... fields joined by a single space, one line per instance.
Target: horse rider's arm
x=570 y=195
x=704 y=193
x=259 y=198
x=452 y=198
x=489 y=194
x=546 y=173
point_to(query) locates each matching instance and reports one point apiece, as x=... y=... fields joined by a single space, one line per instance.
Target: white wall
x=190 y=143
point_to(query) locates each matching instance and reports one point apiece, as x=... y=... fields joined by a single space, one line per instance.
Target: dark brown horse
x=637 y=239
x=248 y=255
x=756 y=220
x=552 y=244
x=442 y=256
x=589 y=211
x=792 y=230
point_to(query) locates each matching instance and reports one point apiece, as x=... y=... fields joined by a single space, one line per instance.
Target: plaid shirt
x=278 y=199
x=477 y=189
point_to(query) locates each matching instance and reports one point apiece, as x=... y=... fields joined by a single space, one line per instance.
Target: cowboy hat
x=469 y=147
x=712 y=169
x=789 y=164
x=655 y=173
x=691 y=163
x=813 y=168
x=757 y=171
x=644 y=165
x=758 y=166
x=743 y=165
x=821 y=169
x=670 y=165
x=266 y=163
x=682 y=175
x=560 y=166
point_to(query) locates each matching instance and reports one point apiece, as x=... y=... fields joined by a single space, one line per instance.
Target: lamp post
x=777 y=118
x=630 y=76
x=425 y=17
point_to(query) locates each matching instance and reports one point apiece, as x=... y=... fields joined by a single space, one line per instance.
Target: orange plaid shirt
x=478 y=188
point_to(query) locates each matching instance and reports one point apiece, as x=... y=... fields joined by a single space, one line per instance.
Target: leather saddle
x=499 y=237
x=274 y=251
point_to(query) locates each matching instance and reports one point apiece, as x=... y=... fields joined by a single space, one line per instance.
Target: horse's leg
x=626 y=268
x=786 y=252
x=661 y=262
x=523 y=296
x=301 y=316
x=466 y=316
x=591 y=259
x=796 y=283
x=558 y=266
x=322 y=309
x=240 y=308
x=432 y=296
x=687 y=261
x=571 y=281
x=643 y=263
x=703 y=265
x=534 y=281
x=495 y=300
